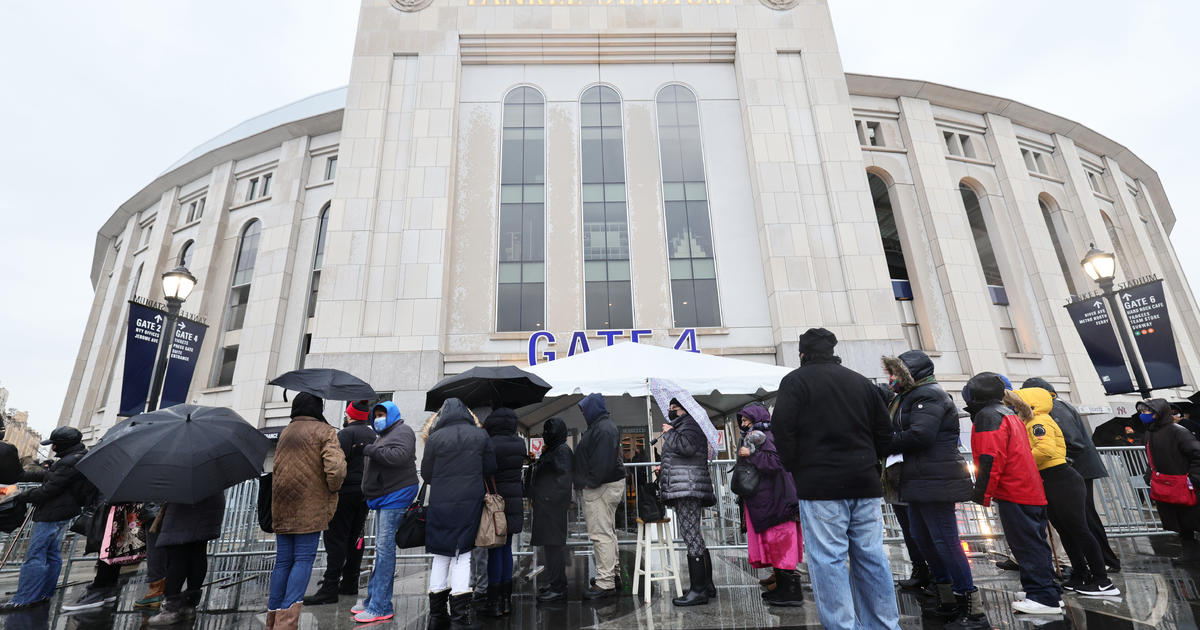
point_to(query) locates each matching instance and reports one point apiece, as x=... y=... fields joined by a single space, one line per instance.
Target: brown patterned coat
x=309 y=469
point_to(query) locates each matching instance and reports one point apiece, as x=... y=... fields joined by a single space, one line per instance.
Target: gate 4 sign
x=579 y=341
x=1146 y=310
x=141 y=351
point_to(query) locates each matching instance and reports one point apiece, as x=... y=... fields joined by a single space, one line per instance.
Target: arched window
x=185 y=254
x=693 y=267
x=893 y=252
x=991 y=268
x=520 y=301
x=133 y=284
x=315 y=283
x=1115 y=236
x=1053 y=227
x=608 y=295
x=239 y=298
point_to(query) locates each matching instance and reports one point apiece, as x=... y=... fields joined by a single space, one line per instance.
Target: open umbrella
x=326 y=383
x=503 y=386
x=181 y=454
x=664 y=390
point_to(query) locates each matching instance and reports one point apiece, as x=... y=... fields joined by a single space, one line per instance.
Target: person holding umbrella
x=309 y=469
x=686 y=486
x=183 y=536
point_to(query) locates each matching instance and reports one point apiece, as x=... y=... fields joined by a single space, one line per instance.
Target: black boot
x=439 y=611
x=970 y=612
x=697 y=591
x=506 y=596
x=191 y=601
x=777 y=576
x=349 y=584
x=461 y=614
x=944 y=606
x=919 y=578
x=712 y=588
x=1191 y=552
x=493 y=608
x=787 y=590
x=327 y=593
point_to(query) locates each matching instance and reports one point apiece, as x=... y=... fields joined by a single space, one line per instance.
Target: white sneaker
x=1030 y=607
x=1021 y=595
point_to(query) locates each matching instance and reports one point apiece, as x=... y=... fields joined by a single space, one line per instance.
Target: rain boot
x=970 y=612
x=712 y=588
x=289 y=619
x=327 y=593
x=944 y=606
x=920 y=577
x=506 y=596
x=439 y=611
x=775 y=583
x=153 y=597
x=461 y=613
x=787 y=591
x=494 y=607
x=698 y=589
x=170 y=612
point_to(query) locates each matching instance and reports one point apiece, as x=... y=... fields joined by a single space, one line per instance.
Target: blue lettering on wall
x=579 y=342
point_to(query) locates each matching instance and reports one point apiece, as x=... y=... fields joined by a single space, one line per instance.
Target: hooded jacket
x=309 y=470
x=390 y=461
x=684 y=473
x=925 y=431
x=1004 y=466
x=183 y=523
x=774 y=500
x=1173 y=449
x=598 y=458
x=550 y=487
x=458 y=456
x=501 y=426
x=61 y=495
x=1081 y=451
x=1045 y=436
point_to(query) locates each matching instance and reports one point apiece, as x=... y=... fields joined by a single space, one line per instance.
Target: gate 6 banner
x=1095 y=329
x=1146 y=310
x=189 y=335
x=141 y=348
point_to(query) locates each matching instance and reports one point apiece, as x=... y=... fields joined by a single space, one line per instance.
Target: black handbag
x=650 y=507
x=745 y=478
x=411 y=530
x=265 y=520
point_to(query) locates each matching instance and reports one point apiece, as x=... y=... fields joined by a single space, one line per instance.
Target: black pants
x=1097 y=527
x=1065 y=498
x=106 y=575
x=341 y=540
x=186 y=563
x=1025 y=530
x=914 y=553
x=555 y=557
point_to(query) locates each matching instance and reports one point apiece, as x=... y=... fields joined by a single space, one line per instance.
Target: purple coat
x=774 y=501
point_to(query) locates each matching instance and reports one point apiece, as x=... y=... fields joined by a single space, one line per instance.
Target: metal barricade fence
x=244 y=552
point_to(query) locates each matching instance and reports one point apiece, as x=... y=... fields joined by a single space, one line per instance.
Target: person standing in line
x=510 y=451
x=1005 y=471
x=1173 y=450
x=458 y=457
x=599 y=473
x=56 y=502
x=1085 y=459
x=920 y=579
x=933 y=479
x=1065 y=497
x=343 y=539
x=183 y=537
x=686 y=486
x=389 y=482
x=309 y=469
x=156 y=563
x=550 y=492
x=773 y=536
x=832 y=431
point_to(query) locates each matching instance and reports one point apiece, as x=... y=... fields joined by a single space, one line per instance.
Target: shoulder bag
x=1173 y=489
x=650 y=507
x=411 y=531
x=493 y=526
x=745 y=478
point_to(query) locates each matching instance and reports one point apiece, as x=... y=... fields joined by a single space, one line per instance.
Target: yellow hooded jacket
x=1045 y=437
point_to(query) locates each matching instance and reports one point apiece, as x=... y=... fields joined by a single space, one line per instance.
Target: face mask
x=1147 y=418
x=380 y=424
x=894 y=385
x=672 y=414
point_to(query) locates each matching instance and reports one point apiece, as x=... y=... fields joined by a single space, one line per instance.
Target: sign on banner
x=1146 y=310
x=536 y=445
x=181 y=364
x=141 y=348
x=1100 y=340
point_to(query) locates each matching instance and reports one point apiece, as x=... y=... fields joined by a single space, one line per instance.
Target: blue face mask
x=380 y=424
x=1147 y=418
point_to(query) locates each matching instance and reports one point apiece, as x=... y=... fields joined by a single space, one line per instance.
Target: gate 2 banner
x=1100 y=340
x=1147 y=313
x=189 y=336
x=141 y=348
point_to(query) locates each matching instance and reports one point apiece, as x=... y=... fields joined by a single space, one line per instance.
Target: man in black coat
x=831 y=431
x=550 y=492
x=600 y=476
x=346 y=527
x=10 y=462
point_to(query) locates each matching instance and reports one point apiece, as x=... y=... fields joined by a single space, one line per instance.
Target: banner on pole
x=1094 y=326
x=1146 y=309
x=181 y=363
x=141 y=348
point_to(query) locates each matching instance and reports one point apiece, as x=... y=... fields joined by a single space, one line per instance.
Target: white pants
x=453 y=570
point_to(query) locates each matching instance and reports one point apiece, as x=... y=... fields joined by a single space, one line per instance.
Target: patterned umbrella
x=664 y=390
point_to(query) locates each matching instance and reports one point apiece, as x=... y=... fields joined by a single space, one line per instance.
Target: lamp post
x=1101 y=267
x=177 y=285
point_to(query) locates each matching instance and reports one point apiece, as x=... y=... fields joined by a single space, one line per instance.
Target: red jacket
x=1004 y=467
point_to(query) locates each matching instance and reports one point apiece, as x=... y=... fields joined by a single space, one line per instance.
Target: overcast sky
x=98 y=98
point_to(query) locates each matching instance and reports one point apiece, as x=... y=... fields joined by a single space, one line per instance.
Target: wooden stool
x=652 y=537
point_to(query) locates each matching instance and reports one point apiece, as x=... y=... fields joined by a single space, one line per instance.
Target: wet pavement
x=1156 y=593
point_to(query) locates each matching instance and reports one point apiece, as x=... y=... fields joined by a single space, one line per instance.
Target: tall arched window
x=185 y=254
x=991 y=268
x=1053 y=228
x=239 y=298
x=521 y=301
x=133 y=284
x=315 y=284
x=693 y=267
x=1115 y=236
x=608 y=295
x=893 y=252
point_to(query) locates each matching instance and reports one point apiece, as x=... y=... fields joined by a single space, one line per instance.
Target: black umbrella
x=326 y=383
x=504 y=386
x=181 y=454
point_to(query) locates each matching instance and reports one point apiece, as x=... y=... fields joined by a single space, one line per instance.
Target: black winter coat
x=550 y=491
x=1080 y=448
x=684 y=472
x=832 y=431
x=501 y=425
x=458 y=455
x=10 y=464
x=1174 y=451
x=598 y=458
x=926 y=433
x=183 y=523
x=63 y=488
x=353 y=439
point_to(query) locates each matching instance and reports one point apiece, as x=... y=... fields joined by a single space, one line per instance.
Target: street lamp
x=1101 y=267
x=177 y=285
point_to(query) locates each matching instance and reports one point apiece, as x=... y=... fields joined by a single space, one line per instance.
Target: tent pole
x=649 y=425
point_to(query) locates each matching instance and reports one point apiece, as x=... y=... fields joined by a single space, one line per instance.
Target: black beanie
x=305 y=404
x=817 y=341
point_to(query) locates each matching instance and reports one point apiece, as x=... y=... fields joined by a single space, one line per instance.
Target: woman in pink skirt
x=772 y=528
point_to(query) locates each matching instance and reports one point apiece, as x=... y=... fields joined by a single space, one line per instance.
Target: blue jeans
x=294 y=556
x=935 y=528
x=500 y=563
x=43 y=563
x=863 y=595
x=383 y=574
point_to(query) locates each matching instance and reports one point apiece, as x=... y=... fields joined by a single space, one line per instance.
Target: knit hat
x=817 y=341
x=1007 y=383
x=357 y=411
x=305 y=404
